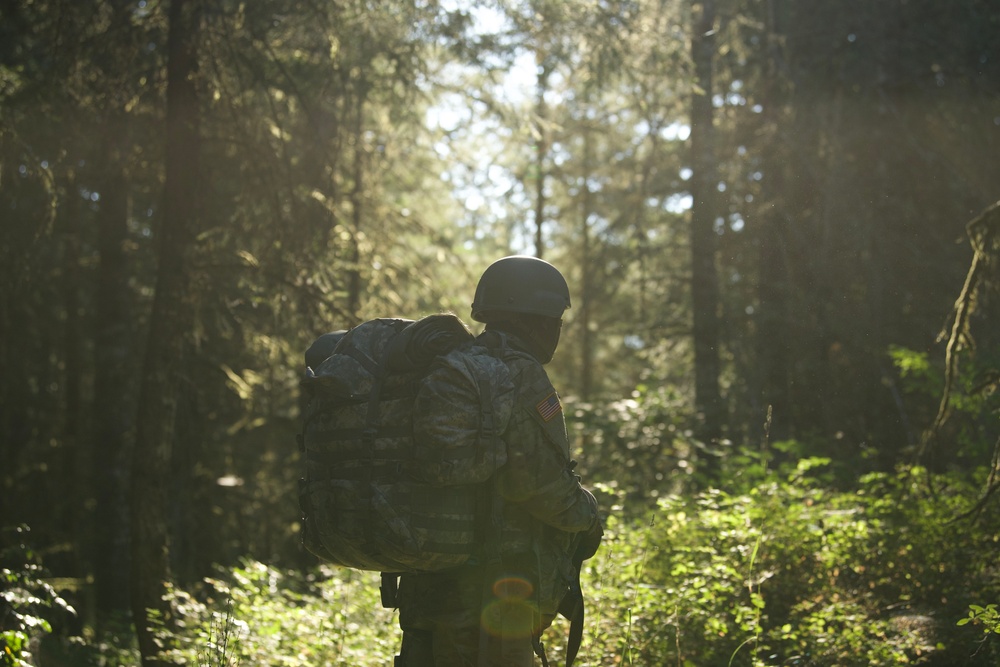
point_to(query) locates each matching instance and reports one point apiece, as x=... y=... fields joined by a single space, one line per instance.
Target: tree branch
x=981 y=231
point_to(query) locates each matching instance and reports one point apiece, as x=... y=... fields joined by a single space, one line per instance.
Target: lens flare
x=512 y=612
x=513 y=587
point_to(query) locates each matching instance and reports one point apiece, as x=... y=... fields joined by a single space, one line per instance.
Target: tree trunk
x=541 y=154
x=112 y=390
x=69 y=474
x=704 y=212
x=357 y=206
x=772 y=231
x=586 y=276
x=171 y=320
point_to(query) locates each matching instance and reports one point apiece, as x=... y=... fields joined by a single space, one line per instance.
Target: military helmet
x=520 y=284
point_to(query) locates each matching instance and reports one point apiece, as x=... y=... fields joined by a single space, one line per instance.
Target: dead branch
x=981 y=230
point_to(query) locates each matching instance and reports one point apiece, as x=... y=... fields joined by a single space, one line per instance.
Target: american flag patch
x=549 y=407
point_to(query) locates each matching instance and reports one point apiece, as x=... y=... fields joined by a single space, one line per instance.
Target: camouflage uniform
x=445 y=616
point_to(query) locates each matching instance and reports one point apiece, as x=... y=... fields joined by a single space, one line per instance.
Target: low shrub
x=790 y=573
x=256 y=615
x=29 y=606
x=783 y=572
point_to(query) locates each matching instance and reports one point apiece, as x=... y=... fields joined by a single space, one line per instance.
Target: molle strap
x=432 y=455
x=371 y=472
x=390 y=431
x=366 y=362
x=448 y=547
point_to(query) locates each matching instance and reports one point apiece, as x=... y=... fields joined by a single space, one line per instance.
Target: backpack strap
x=491 y=508
x=576 y=616
x=389 y=590
x=539 y=648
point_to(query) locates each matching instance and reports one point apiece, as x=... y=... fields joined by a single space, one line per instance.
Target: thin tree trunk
x=541 y=155
x=704 y=211
x=70 y=224
x=70 y=471
x=586 y=276
x=169 y=324
x=357 y=206
x=772 y=288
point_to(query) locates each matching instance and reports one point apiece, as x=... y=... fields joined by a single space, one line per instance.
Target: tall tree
x=586 y=290
x=771 y=233
x=118 y=56
x=170 y=324
x=704 y=213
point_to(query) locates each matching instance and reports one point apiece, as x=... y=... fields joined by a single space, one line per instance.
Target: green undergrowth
x=786 y=573
x=258 y=615
x=791 y=573
x=783 y=572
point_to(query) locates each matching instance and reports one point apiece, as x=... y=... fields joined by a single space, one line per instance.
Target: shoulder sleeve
x=537 y=475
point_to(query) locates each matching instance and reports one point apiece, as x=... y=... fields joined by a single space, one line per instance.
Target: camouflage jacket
x=544 y=505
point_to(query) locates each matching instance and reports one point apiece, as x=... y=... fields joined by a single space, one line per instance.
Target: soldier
x=492 y=612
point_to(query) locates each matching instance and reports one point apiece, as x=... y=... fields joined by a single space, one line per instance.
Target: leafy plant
x=988 y=617
x=225 y=635
x=27 y=603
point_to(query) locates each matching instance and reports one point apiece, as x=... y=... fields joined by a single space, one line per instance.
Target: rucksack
x=401 y=443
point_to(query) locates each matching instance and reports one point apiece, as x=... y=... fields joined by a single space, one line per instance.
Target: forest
x=780 y=225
